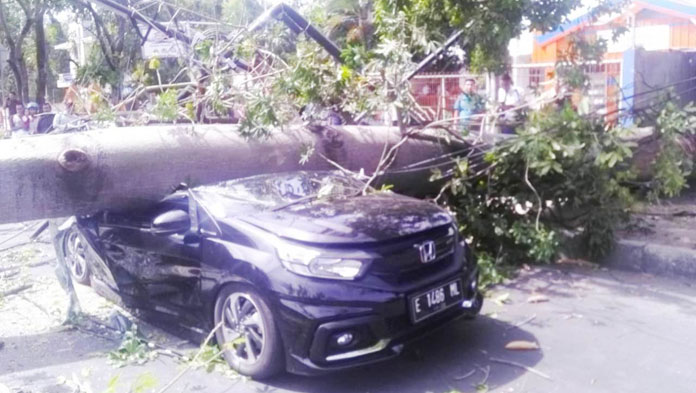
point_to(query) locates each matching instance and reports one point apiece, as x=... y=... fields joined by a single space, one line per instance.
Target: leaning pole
x=80 y=173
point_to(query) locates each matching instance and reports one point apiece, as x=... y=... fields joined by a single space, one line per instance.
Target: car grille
x=401 y=261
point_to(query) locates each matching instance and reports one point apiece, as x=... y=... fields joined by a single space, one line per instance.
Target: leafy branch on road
x=134 y=349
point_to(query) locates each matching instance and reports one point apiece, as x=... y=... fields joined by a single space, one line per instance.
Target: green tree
x=16 y=20
x=489 y=25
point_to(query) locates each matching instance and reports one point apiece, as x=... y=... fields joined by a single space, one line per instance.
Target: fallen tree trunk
x=61 y=175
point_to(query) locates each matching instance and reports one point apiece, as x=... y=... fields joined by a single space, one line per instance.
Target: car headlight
x=310 y=262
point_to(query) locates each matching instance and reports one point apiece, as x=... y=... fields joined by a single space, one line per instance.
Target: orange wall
x=683 y=36
x=544 y=54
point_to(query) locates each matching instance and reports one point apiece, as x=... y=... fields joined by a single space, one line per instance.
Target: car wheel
x=248 y=335
x=76 y=256
x=476 y=307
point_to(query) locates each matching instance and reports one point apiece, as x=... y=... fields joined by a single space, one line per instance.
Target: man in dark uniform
x=11 y=105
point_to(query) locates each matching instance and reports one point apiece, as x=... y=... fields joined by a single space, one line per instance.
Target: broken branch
x=522 y=366
x=465 y=376
x=198 y=354
x=15 y=290
x=524 y=322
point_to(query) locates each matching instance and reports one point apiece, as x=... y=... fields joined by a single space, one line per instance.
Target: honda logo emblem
x=427 y=251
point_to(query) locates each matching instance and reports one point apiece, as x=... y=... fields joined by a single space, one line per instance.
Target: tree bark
x=80 y=173
x=41 y=58
x=25 y=79
x=106 y=41
x=15 y=46
x=14 y=66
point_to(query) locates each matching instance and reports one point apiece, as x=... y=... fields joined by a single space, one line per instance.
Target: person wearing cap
x=32 y=113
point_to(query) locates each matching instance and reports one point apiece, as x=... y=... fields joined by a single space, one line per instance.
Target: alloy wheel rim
x=76 y=255
x=243 y=328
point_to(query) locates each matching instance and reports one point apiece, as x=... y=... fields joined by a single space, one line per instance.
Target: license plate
x=435 y=300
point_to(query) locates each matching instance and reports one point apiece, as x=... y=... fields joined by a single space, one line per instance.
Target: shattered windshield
x=278 y=190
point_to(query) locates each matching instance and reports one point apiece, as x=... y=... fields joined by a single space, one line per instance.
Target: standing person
x=45 y=119
x=509 y=97
x=62 y=119
x=468 y=103
x=33 y=115
x=11 y=105
x=20 y=121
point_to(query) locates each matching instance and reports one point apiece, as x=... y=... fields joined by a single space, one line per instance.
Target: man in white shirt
x=508 y=97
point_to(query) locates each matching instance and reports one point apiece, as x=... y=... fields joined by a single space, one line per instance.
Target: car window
x=142 y=217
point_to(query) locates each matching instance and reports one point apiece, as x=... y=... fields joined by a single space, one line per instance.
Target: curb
x=652 y=258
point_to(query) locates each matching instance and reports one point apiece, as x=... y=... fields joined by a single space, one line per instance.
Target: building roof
x=680 y=9
x=675 y=8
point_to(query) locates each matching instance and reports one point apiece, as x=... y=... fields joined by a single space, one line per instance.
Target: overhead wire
x=415 y=167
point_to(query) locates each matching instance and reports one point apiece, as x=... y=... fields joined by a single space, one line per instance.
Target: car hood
x=359 y=219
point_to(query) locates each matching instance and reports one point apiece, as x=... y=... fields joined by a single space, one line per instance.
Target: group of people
x=470 y=103
x=23 y=119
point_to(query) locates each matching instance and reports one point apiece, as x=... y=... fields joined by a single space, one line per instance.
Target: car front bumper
x=380 y=331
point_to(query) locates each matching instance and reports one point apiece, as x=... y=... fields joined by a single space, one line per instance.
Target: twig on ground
x=19 y=266
x=15 y=290
x=35 y=304
x=41 y=263
x=21 y=231
x=9 y=274
x=96 y=333
x=198 y=354
x=524 y=322
x=39 y=230
x=522 y=366
x=14 y=246
x=8 y=268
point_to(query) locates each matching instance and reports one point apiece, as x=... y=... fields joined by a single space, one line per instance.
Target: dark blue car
x=305 y=271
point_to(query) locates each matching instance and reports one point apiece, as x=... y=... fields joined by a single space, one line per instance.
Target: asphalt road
x=598 y=331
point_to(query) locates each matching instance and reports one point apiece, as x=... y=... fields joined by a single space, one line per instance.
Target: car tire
x=74 y=251
x=248 y=337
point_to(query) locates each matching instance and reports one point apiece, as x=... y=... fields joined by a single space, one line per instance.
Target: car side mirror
x=171 y=222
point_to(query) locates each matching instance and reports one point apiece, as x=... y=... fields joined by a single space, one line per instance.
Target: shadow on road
x=61 y=346
x=435 y=364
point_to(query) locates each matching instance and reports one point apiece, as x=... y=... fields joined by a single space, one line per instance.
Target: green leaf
x=112 y=385
x=143 y=383
x=153 y=64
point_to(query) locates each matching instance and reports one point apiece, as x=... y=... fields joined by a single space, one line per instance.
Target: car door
x=157 y=271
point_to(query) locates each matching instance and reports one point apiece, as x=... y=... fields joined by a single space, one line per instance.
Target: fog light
x=467 y=303
x=344 y=339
